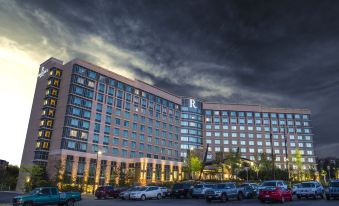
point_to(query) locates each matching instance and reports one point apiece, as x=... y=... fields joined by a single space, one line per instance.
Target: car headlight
x=19 y=201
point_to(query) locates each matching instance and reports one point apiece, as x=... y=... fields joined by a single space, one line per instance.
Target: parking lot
x=197 y=202
x=89 y=200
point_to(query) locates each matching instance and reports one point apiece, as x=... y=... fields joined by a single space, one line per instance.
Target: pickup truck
x=333 y=189
x=47 y=196
x=223 y=192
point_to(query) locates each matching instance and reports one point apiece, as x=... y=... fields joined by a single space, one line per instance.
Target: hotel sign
x=192 y=103
x=42 y=72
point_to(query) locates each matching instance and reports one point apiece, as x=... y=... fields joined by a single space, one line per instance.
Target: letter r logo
x=192 y=103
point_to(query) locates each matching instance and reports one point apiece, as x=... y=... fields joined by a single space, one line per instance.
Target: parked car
x=108 y=191
x=147 y=192
x=199 y=190
x=333 y=189
x=272 y=183
x=295 y=188
x=47 y=196
x=125 y=195
x=310 y=189
x=249 y=190
x=223 y=192
x=272 y=193
x=183 y=189
x=165 y=192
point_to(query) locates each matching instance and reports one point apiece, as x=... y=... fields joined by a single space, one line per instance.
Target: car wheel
x=208 y=200
x=143 y=197
x=223 y=198
x=322 y=196
x=159 y=196
x=240 y=196
x=99 y=197
x=315 y=196
x=328 y=197
x=28 y=204
x=282 y=199
x=299 y=197
x=70 y=202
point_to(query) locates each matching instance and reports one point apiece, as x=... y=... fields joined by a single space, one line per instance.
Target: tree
x=8 y=177
x=233 y=162
x=37 y=177
x=298 y=163
x=195 y=164
x=323 y=173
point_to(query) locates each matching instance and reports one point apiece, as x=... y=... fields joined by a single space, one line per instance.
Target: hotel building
x=93 y=121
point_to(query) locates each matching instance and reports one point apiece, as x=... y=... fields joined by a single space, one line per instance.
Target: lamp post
x=329 y=172
x=246 y=168
x=95 y=171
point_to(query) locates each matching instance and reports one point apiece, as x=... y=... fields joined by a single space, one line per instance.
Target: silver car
x=200 y=189
x=125 y=195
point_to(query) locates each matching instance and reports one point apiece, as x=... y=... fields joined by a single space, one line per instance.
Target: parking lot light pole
x=329 y=172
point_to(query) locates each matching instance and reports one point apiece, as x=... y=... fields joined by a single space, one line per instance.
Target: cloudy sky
x=275 y=53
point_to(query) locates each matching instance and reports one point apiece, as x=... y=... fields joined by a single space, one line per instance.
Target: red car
x=108 y=191
x=278 y=194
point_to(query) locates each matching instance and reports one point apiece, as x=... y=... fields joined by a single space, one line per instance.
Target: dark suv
x=107 y=191
x=182 y=190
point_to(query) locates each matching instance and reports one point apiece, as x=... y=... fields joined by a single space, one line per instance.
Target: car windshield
x=334 y=184
x=142 y=188
x=178 y=186
x=270 y=188
x=306 y=185
x=33 y=192
x=100 y=188
x=209 y=186
x=199 y=186
x=267 y=184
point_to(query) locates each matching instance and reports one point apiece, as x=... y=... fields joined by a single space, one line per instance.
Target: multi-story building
x=92 y=122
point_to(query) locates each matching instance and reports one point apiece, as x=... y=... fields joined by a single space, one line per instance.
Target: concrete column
x=153 y=172
x=162 y=171
x=171 y=171
x=74 y=169
x=108 y=171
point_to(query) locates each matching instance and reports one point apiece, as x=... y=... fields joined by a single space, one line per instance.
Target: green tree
x=8 y=177
x=298 y=163
x=233 y=162
x=37 y=176
x=195 y=165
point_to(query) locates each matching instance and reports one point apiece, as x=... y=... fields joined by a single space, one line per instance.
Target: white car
x=125 y=195
x=310 y=189
x=147 y=192
x=200 y=189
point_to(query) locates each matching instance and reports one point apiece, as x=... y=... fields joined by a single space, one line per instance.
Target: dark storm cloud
x=278 y=53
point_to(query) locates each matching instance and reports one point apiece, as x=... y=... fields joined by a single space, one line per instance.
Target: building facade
x=94 y=122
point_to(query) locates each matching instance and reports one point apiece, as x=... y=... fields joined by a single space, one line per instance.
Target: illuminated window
x=52 y=102
x=51 y=112
x=42 y=122
x=49 y=123
x=45 y=145
x=54 y=92
x=57 y=73
x=39 y=133
x=43 y=112
x=56 y=82
x=47 y=134
x=45 y=102
x=73 y=133
x=37 y=145
x=49 y=82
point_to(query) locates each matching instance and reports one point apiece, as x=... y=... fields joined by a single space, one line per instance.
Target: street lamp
x=246 y=168
x=329 y=172
x=95 y=171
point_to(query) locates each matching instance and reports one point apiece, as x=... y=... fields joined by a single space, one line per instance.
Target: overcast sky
x=274 y=53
